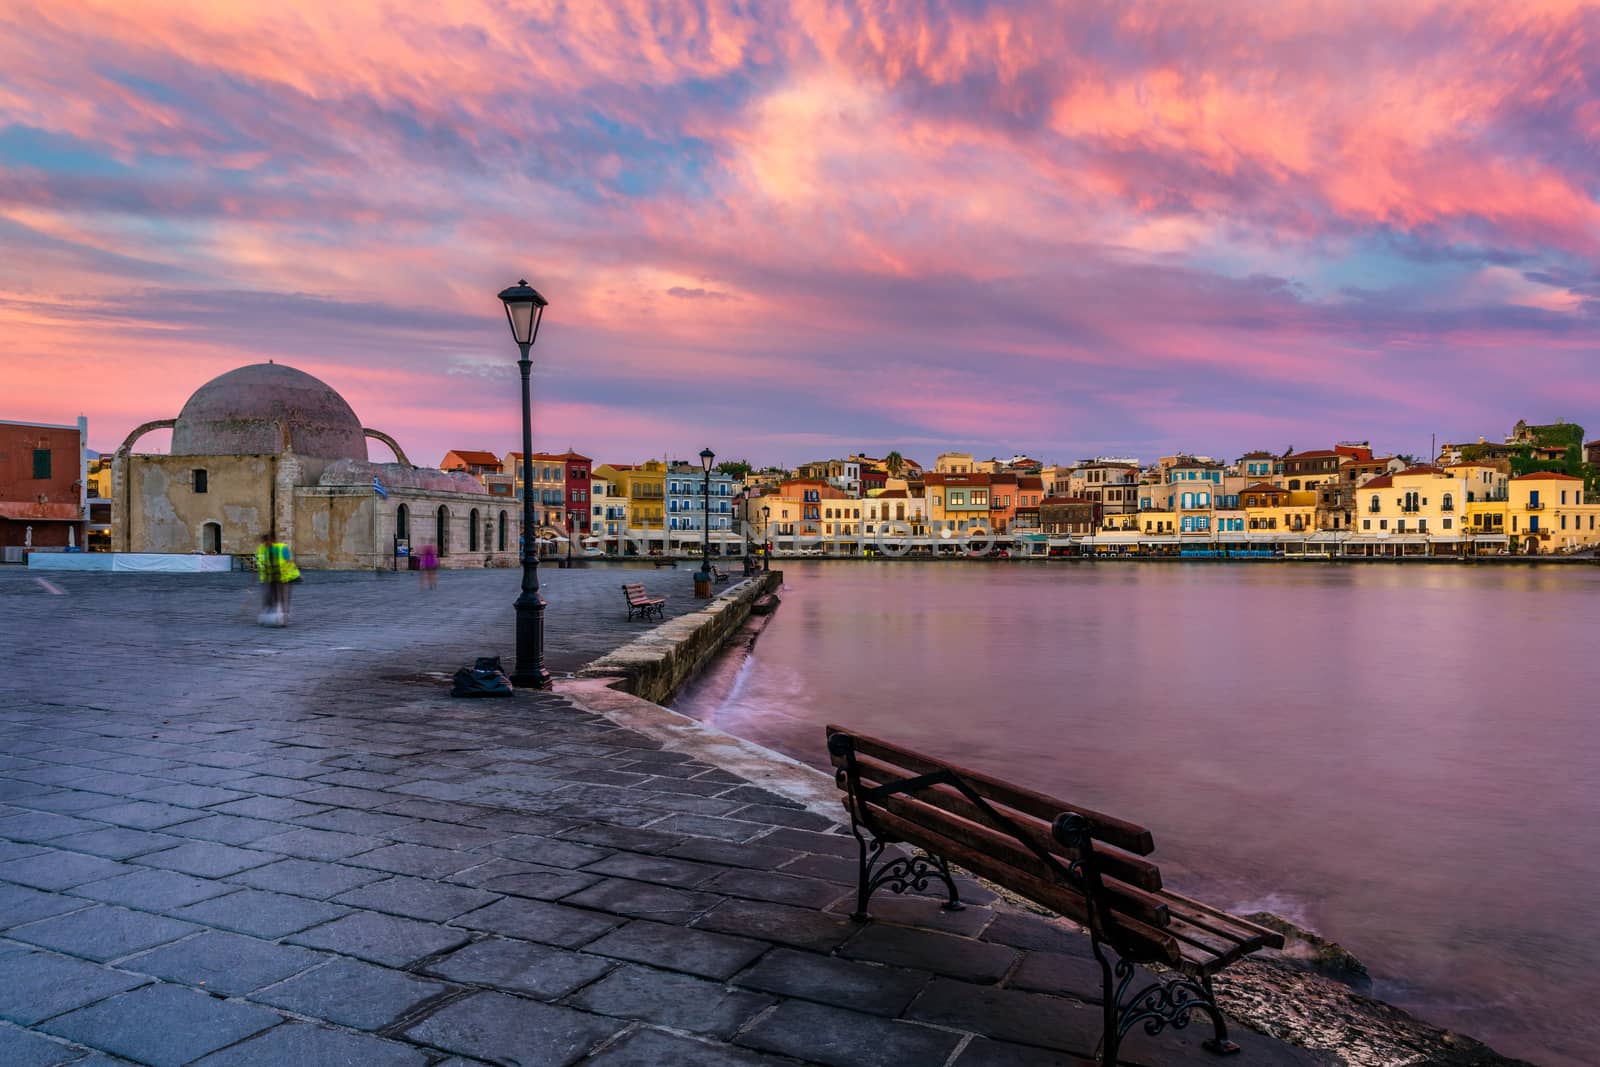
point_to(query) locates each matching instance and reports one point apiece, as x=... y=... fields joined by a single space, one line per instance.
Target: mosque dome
x=268 y=408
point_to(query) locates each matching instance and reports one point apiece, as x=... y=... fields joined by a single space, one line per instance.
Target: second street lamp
x=707 y=457
x=524 y=309
x=766 y=543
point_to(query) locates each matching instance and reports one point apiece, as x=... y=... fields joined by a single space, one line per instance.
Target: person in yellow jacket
x=275 y=569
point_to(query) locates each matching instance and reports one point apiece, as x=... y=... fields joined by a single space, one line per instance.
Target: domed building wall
x=270 y=448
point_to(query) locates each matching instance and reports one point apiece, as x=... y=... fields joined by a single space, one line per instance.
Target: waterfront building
x=1061 y=516
x=643 y=486
x=1260 y=467
x=958 y=502
x=97 y=537
x=1269 y=509
x=873 y=479
x=608 y=511
x=1002 y=500
x=44 y=477
x=687 y=504
x=894 y=512
x=267 y=448
x=953 y=463
x=1549 y=512
x=1417 y=511
x=470 y=461
x=1305 y=471
x=1111 y=483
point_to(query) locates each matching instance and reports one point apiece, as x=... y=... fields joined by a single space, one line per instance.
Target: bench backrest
x=635 y=593
x=1014 y=836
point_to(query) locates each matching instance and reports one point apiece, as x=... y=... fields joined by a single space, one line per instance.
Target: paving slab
x=103 y=932
x=534 y=970
x=673 y=1000
x=304 y=1045
x=162 y=1025
x=385 y=939
x=847 y=1039
x=678 y=948
x=219 y=962
x=864 y=987
x=352 y=993
x=505 y=1029
x=536 y=920
x=38 y=985
x=260 y=913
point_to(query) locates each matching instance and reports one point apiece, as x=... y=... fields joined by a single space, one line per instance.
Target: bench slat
x=1118 y=832
x=1131 y=939
x=1124 y=899
x=1126 y=868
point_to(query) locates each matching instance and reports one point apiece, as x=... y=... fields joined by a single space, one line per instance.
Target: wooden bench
x=642 y=605
x=718 y=575
x=1079 y=863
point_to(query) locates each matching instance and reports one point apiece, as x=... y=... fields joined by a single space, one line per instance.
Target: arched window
x=502 y=531
x=1375 y=506
x=1449 y=502
x=402 y=522
x=442 y=533
x=472 y=532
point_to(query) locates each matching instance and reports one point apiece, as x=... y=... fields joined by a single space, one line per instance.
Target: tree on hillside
x=894 y=463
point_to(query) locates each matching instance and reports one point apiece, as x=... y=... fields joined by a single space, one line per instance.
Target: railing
x=1535 y=505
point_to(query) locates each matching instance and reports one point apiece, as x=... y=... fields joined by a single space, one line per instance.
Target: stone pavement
x=225 y=845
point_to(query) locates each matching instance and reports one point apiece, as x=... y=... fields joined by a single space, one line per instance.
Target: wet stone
x=153 y=890
x=19 y=905
x=117 y=843
x=641 y=900
x=352 y=994
x=505 y=1029
x=865 y=987
x=1059 y=973
x=223 y=962
x=102 y=932
x=677 y=948
x=260 y=914
x=1010 y=1015
x=419 y=860
x=778 y=888
x=667 y=999
x=313 y=844
x=845 y=1038
x=308 y=878
x=163 y=1025
x=1038 y=934
x=313 y=1046
x=800 y=927
x=207 y=859
x=904 y=946
x=644 y=868
x=384 y=939
x=525 y=879
x=20 y=1048
x=536 y=920
x=536 y=970
x=652 y=1048
x=60 y=870
x=38 y=985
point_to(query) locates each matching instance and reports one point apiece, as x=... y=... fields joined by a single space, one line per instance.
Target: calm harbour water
x=1403 y=758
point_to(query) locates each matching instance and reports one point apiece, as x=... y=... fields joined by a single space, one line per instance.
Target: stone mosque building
x=270 y=448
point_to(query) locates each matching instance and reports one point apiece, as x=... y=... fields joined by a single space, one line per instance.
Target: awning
x=23 y=511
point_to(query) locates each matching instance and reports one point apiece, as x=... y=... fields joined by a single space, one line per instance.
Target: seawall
x=654 y=665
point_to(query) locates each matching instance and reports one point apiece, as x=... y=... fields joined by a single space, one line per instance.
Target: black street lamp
x=766 y=544
x=524 y=308
x=706 y=458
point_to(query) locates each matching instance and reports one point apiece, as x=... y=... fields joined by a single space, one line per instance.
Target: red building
x=576 y=490
x=43 y=470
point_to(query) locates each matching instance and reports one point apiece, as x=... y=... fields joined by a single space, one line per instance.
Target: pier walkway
x=226 y=845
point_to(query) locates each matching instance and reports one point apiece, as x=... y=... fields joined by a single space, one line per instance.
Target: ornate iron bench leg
x=899 y=874
x=1158 y=1004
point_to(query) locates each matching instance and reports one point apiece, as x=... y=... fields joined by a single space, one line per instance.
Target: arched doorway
x=472 y=532
x=502 y=531
x=211 y=539
x=402 y=523
x=442 y=534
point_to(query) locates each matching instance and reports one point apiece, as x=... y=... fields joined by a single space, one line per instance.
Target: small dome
x=263 y=409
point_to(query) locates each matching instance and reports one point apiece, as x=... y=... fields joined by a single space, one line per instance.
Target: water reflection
x=1398 y=756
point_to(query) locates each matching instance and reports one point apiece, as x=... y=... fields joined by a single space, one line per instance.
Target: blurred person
x=275 y=569
x=428 y=566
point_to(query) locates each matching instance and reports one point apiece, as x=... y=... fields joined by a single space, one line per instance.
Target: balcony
x=1535 y=505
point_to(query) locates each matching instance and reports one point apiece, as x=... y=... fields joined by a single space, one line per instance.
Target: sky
x=795 y=230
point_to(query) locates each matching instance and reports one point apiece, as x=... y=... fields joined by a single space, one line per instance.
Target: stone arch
x=139 y=431
x=121 y=526
x=394 y=446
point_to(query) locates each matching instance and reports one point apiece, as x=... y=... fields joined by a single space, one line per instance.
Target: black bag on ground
x=482 y=679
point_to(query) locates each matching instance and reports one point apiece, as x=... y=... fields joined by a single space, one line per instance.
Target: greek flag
x=377 y=487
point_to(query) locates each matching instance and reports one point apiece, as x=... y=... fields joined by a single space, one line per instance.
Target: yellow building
x=1547 y=512
x=953 y=463
x=640 y=489
x=1270 y=509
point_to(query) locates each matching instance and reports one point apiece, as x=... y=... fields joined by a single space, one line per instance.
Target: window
x=1447 y=524
x=199 y=479
x=472 y=531
x=1383 y=524
x=41 y=463
x=442 y=530
x=402 y=522
x=502 y=539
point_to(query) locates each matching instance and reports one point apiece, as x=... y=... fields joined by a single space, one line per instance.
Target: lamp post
x=706 y=458
x=524 y=308
x=766 y=546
